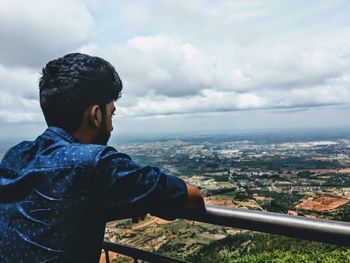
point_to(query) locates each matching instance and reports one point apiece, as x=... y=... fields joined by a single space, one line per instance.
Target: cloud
x=19 y=95
x=163 y=65
x=316 y=96
x=33 y=33
x=165 y=75
x=206 y=101
x=289 y=67
x=20 y=82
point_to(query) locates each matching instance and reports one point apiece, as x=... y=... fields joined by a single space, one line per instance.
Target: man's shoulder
x=93 y=154
x=13 y=151
x=89 y=149
x=55 y=154
x=84 y=154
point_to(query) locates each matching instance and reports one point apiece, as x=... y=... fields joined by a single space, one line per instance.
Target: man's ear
x=95 y=116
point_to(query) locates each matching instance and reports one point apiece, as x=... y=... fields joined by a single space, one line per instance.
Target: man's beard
x=103 y=135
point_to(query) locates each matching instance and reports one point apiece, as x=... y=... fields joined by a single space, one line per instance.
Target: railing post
x=106 y=255
x=139 y=254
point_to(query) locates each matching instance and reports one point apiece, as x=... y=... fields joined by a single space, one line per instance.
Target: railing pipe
x=327 y=231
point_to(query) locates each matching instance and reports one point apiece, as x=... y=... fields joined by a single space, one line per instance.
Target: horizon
x=254 y=135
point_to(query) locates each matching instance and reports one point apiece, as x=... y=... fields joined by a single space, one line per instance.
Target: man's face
x=104 y=133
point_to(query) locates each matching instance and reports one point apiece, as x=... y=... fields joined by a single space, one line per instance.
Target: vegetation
x=255 y=247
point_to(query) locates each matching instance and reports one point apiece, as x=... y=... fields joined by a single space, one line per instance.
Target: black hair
x=69 y=85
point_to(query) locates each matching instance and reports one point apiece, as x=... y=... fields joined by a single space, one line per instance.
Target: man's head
x=77 y=93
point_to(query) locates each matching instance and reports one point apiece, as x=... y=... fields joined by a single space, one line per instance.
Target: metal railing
x=326 y=231
x=136 y=253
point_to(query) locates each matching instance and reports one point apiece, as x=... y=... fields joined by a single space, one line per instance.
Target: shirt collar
x=66 y=135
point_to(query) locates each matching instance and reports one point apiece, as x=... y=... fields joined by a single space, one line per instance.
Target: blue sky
x=187 y=66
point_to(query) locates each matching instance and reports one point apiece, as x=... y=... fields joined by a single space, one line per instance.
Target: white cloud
x=8 y=116
x=19 y=95
x=206 y=101
x=164 y=75
x=316 y=96
x=19 y=81
x=290 y=67
x=162 y=65
x=31 y=33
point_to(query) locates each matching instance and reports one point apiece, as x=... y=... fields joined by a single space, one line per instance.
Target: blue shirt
x=57 y=193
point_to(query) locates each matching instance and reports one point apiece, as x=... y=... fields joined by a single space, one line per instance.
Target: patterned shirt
x=56 y=194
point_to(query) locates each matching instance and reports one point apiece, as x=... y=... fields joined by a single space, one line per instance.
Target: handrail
x=321 y=230
x=326 y=231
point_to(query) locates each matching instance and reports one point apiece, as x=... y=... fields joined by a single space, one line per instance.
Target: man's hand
x=138 y=219
x=195 y=202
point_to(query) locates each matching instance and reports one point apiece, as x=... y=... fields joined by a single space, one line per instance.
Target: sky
x=186 y=66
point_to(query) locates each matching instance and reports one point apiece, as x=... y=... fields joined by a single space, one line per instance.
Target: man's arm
x=125 y=189
x=193 y=205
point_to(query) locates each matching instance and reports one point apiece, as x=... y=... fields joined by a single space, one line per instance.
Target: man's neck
x=83 y=136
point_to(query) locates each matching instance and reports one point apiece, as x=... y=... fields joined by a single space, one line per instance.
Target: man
x=57 y=192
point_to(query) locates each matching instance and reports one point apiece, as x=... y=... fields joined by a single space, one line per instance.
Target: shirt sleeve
x=125 y=189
